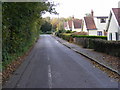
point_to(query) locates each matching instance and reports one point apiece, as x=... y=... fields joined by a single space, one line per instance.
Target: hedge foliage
x=66 y=36
x=87 y=36
x=21 y=22
x=98 y=43
x=109 y=47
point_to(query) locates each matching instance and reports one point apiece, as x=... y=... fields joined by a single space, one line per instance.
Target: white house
x=89 y=26
x=95 y=25
x=66 y=26
x=74 y=25
x=100 y=22
x=113 y=26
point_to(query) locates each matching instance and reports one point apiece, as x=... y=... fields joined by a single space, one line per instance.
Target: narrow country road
x=52 y=65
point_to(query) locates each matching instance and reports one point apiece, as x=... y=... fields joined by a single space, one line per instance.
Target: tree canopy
x=21 y=22
x=46 y=27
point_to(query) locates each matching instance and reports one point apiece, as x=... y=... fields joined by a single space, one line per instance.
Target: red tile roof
x=77 y=23
x=116 y=11
x=90 y=24
x=70 y=23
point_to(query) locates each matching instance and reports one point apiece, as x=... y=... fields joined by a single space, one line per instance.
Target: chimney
x=73 y=17
x=92 y=13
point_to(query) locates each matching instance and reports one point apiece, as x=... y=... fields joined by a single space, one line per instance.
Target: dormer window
x=102 y=20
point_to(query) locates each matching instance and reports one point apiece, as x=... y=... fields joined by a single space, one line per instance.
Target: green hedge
x=98 y=43
x=21 y=22
x=87 y=36
x=109 y=47
x=66 y=36
x=85 y=42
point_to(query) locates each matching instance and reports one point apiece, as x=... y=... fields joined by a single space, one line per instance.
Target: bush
x=59 y=32
x=109 y=47
x=86 y=36
x=21 y=22
x=68 y=31
x=100 y=45
x=65 y=36
x=49 y=32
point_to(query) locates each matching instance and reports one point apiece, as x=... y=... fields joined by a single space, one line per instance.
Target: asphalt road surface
x=52 y=65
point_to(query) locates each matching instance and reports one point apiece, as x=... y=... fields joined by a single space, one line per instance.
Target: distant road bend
x=52 y=65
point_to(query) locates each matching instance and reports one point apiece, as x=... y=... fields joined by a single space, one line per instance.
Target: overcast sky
x=79 y=8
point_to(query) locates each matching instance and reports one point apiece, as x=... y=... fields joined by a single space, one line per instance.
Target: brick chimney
x=92 y=13
x=73 y=17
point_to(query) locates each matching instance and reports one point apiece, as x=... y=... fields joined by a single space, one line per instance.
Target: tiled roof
x=77 y=23
x=90 y=24
x=70 y=23
x=116 y=11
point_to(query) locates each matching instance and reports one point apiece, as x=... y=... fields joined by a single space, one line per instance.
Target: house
x=89 y=26
x=69 y=25
x=73 y=25
x=113 y=26
x=95 y=25
x=77 y=25
x=65 y=26
x=100 y=22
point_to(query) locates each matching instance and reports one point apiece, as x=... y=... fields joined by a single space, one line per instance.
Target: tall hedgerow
x=21 y=22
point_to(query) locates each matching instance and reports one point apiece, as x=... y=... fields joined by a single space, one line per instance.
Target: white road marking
x=49 y=77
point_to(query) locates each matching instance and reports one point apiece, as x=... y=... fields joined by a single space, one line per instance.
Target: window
x=103 y=20
x=117 y=36
x=110 y=36
x=99 y=33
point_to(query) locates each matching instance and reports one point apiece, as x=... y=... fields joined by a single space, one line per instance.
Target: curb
x=90 y=58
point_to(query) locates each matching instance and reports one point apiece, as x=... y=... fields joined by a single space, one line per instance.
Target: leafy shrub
x=109 y=47
x=68 y=31
x=49 y=32
x=65 y=36
x=87 y=36
x=59 y=32
x=21 y=23
x=73 y=31
x=100 y=45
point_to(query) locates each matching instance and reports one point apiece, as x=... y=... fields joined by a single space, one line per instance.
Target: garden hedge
x=87 y=36
x=21 y=22
x=98 y=43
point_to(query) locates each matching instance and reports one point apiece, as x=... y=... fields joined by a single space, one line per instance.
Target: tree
x=58 y=23
x=46 y=27
x=21 y=22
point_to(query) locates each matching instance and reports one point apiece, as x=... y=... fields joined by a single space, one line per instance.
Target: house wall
x=93 y=32
x=72 y=26
x=101 y=31
x=77 y=30
x=67 y=26
x=100 y=26
x=84 y=27
x=113 y=27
